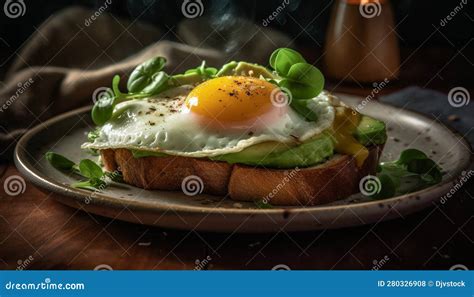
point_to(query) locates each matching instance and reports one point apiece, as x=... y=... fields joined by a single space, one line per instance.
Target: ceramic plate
x=64 y=134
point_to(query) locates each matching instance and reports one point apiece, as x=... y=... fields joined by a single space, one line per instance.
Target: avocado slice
x=244 y=69
x=186 y=79
x=141 y=154
x=370 y=131
x=279 y=155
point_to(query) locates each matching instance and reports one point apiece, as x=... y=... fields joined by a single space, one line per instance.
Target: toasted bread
x=335 y=179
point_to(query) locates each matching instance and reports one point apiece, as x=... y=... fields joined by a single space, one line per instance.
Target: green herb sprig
x=302 y=80
x=95 y=177
x=263 y=204
x=413 y=171
x=147 y=79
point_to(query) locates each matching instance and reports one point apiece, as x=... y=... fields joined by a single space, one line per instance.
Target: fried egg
x=219 y=116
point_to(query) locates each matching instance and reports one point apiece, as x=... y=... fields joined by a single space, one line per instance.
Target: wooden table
x=36 y=232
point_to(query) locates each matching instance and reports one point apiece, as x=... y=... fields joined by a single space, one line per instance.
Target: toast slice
x=335 y=179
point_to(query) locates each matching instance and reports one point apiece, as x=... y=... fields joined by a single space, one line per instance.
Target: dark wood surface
x=59 y=237
x=36 y=232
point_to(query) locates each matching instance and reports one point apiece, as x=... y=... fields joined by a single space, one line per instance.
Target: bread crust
x=336 y=179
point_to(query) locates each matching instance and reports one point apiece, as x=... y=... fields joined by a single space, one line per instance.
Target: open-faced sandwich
x=246 y=131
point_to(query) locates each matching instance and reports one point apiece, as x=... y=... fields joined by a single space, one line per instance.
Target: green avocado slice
x=279 y=155
x=141 y=154
x=309 y=153
x=370 y=131
x=244 y=69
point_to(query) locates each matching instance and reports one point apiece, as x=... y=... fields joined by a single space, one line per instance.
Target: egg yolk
x=231 y=99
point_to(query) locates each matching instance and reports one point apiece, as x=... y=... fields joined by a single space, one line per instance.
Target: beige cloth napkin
x=61 y=65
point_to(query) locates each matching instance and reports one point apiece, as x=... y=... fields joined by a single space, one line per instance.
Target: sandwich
x=244 y=131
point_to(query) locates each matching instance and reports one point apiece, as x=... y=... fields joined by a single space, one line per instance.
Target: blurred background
x=414 y=49
x=419 y=28
x=313 y=15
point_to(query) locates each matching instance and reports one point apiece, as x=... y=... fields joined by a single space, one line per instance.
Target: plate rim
x=37 y=178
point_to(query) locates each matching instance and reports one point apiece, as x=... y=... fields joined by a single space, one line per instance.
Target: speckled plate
x=64 y=134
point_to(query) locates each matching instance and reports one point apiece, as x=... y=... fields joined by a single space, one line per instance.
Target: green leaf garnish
x=301 y=107
x=388 y=187
x=115 y=86
x=308 y=76
x=283 y=58
x=291 y=71
x=203 y=71
x=91 y=184
x=413 y=171
x=93 y=135
x=298 y=90
x=146 y=80
x=103 y=109
x=157 y=84
x=90 y=169
x=145 y=75
x=59 y=162
x=409 y=155
x=262 y=204
x=95 y=176
x=206 y=71
x=194 y=75
x=303 y=80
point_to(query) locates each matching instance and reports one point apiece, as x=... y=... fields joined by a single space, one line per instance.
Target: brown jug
x=361 y=44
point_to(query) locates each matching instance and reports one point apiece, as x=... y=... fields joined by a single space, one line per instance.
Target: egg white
x=156 y=124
